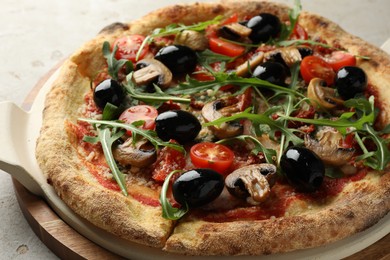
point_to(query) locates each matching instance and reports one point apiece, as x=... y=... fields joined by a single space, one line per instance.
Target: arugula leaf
x=346 y=122
x=293 y=15
x=169 y=212
x=379 y=158
x=258 y=120
x=110 y=111
x=148 y=134
x=107 y=137
x=192 y=86
x=115 y=65
x=157 y=97
x=207 y=57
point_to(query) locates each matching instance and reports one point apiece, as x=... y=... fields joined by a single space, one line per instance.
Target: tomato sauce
x=282 y=196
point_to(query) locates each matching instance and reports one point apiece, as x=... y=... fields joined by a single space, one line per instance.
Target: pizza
x=226 y=128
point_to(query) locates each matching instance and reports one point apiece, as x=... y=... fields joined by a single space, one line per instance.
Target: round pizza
x=227 y=128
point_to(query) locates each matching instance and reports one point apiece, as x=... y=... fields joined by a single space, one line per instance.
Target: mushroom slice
x=193 y=39
x=327 y=146
x=252 y=182
x=322 y=97
x=140 y=155
x=152 y=71
x=217 y=109
x=234 y=31
x=243 y=69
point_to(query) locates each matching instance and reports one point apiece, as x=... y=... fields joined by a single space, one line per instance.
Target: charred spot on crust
x=114 y=27
x=350 y=215
x=218 y=9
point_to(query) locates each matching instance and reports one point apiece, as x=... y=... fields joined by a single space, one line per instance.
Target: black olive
x=273 y=72
x=264 y=26
x=108 y=91
x=178 y=58
x=197 y=187
x=305 y=51
x=303 y=168
x=179 y=125
x=350 y=81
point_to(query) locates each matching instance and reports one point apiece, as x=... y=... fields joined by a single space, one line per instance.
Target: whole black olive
x=197 y=187
x=303 y=168
x=350 y=81
x=108 y=91
x=178 y=58
x=264 y=26
x=179 y=125
x=273 y=72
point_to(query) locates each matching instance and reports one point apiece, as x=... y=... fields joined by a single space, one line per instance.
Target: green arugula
x=293 y=15
x=258 y=120
x=107 y=136
x=192 y=86
x=114 y=65
x=148 y=134
x=169 y=212
x=379 y=158
x=347 y=122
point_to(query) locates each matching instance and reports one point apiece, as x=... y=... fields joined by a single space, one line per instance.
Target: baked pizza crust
x=358 y=207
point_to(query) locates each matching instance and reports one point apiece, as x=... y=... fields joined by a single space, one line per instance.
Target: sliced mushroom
x=243 y=69
x=327 y=146
x=234 y=31
x=252 y=182
x=193 y=39
x=152 y=71
x=139 y=155
x=213 y=110
x=321 y=96
x=288 y=55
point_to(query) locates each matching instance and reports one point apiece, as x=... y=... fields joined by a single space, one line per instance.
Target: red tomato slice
x=315 y=67
x=128 y=47
x=140 y=112
x=232 y=19
x=213 y=156
x=299 y=33
x=339 y=59
x=220 y=46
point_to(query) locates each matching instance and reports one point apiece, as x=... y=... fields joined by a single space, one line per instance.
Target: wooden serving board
x=67 y=243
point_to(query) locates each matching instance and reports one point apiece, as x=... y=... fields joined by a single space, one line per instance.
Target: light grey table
x=37 y=35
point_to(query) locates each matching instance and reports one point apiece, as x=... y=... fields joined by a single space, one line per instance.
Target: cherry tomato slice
x=299 y=33
x=213 y=156
x=315 y=67
x=339 y=59
x=128 y=47
x=140 y=112
x=220 y=46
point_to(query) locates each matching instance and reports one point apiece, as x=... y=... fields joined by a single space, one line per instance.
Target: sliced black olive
x=178 y=58
x=264 y=26
x=197 y=187
x=108 y=91
x=179 y=125
x=302 y=168
x=350 y=81
x=273 y=72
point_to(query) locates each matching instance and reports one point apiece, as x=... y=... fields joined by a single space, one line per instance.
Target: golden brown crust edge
x=208 y=238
